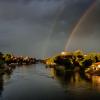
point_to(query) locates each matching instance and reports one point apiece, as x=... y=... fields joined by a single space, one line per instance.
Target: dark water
x=37 y=82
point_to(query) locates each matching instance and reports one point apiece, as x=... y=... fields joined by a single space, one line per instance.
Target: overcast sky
x=42 y=27
x=87 y=36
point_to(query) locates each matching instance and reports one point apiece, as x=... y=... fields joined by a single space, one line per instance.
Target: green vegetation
x=71 y=60
x=65 y=61
x=10 y=59
x=1 y=59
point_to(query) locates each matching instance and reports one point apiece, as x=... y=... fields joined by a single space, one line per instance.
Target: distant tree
x=1 y=58
x=64 y=62
x=97 y=57
x=87 y=63
x=78 y=53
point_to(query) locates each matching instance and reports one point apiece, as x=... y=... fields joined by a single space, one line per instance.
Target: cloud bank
x=38 y=27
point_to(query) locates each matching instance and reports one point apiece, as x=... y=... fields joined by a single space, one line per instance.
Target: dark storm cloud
x=37 y=27
x=32 y=11
x=24 y=27
x=37 y=8
x=87 y=35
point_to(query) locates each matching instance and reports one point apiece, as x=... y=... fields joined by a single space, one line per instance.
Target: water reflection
x=1 y=84
x=5 y=74
x=74 y=83
x=95 y=81
x=76 y=80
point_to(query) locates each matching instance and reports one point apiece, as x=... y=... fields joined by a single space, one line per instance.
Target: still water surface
x=36 y=82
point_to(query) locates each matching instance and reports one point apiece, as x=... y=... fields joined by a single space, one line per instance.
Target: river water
x=36 y=82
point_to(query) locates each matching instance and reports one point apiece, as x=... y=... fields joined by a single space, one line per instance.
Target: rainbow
x=50 y=33
x=82 y=18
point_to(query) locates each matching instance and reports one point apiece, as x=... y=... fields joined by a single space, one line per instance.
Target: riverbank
x=75 y=61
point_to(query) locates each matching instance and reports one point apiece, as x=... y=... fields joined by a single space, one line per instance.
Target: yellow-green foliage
x=78 y=52
x=50 y=60
x=77 y=56
x=7 y=57
x=98 y=56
